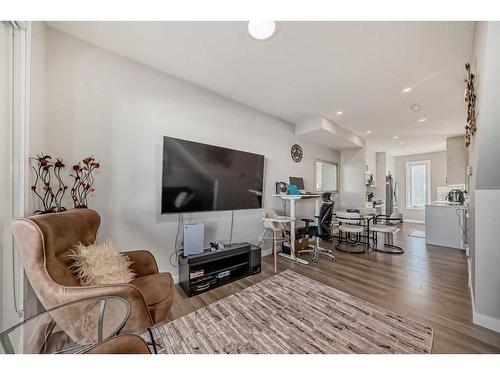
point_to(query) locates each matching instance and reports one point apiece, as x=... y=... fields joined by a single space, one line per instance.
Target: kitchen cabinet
x=457 y=159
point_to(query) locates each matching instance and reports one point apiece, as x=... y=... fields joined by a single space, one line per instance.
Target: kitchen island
x=446 y=225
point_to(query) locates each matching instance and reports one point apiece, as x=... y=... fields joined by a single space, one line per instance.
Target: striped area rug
x=290 y=313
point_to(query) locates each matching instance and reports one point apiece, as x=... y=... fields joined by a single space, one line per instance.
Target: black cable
x=232 y=225
x=176 y=251
x=465 y=237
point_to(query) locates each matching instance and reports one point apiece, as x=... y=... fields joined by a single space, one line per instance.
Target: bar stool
x=383 y=234
x=278 y=225
x=351 y=225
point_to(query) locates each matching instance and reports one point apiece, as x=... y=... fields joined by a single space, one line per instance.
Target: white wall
x=438 y=178
x=36 y=145
x=5 y=178
x=484 y=157
x=352 y=178
x=102 y=104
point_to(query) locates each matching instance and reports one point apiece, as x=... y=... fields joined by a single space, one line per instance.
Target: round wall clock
x=296 y=153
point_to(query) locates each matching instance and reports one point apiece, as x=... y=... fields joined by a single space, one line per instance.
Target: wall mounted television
x=200 y=177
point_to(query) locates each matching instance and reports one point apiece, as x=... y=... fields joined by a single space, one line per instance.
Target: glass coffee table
x=69 y=328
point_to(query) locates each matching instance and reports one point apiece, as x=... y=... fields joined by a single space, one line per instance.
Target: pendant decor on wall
x=49 y=186
x=470 y=100
x=83 y=184
x=50 y=194
x=297 y=153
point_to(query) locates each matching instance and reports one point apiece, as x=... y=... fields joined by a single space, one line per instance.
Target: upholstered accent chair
x=45 y=241
x=123 y=344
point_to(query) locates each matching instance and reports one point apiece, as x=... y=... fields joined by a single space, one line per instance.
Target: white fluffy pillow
x=101 y=264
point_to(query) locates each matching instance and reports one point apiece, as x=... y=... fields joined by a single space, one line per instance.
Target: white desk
x=292 y=199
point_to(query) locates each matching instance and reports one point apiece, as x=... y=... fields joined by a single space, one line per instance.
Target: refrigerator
x=391 y=195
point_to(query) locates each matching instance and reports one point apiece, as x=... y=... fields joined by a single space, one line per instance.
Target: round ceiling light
x=261 y=30
x=416 y=107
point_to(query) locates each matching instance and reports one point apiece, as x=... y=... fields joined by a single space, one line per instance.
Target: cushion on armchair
x=100 y=264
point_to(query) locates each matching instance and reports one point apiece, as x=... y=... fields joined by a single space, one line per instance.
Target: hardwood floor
x=426 y=283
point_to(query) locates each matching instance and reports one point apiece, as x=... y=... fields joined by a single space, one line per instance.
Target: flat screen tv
x=201 y=177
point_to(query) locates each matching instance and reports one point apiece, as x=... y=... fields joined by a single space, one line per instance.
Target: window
x=418 y=184
x=326 y=176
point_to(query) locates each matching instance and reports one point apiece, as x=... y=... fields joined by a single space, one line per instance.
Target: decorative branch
x=470 y=99
x=83 y=181
x=42 y=168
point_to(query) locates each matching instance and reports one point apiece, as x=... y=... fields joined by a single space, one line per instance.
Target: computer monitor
x=297 y=181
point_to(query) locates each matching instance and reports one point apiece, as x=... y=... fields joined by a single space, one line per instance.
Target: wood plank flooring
x=426 y=283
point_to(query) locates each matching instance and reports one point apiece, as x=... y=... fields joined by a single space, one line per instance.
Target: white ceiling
x=316 y=68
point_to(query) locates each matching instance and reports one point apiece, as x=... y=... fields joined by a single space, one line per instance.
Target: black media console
x=211 y=269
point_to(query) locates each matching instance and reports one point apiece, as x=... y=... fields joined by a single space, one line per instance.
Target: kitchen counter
x=445 y=224
x=447 y=204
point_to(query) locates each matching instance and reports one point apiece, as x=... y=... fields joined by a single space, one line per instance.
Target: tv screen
x=200 y=177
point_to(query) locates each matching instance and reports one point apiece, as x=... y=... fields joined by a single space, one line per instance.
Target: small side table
x=69 y=328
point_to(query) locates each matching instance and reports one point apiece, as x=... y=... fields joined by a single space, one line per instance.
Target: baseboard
x=486 y=321
x=264 y=252
x=412 y=221
x=481 y=319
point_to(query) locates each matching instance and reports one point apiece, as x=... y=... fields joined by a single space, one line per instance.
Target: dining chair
x=350 y=231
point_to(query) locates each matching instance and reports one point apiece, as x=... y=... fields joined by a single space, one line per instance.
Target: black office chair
x=321 y=231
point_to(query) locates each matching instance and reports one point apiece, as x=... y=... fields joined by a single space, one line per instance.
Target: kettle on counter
x=456 y=196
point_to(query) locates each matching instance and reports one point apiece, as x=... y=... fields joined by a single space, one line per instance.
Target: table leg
x=275 y=253
x=292 y=237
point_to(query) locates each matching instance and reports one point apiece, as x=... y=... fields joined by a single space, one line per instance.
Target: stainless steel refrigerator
x=391 y=194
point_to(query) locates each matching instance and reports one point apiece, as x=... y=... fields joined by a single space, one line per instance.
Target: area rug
x=291 y=313
x=417 y=233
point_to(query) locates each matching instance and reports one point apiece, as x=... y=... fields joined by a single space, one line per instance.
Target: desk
x=292 y=199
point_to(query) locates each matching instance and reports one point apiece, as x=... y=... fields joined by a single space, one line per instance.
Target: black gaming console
x=211 y=269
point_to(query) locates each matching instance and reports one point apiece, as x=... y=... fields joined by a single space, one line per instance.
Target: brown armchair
x=123 y=344
x=44 y=242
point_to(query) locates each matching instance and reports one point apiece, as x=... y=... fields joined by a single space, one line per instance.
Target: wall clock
x=296 y=153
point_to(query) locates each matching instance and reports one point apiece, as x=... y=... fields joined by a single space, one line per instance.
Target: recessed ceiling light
x=261 y=30
x=408 y=89
x=339 y=112
x=416 y=107
x=401 y=143
x=395 y=137
x=423 y=120
x=368 y=132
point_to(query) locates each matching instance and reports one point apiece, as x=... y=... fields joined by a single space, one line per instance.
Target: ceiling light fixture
x=395 y=137
x=401 y=143
x=422 y=120
x=261 y=30
x=368 y=132
x=416 y=107
x=408 y=89
x=339 y=112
